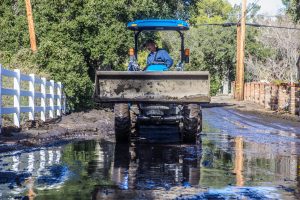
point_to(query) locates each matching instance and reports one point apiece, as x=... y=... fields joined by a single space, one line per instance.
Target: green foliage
x=12 y=25
x=215 y=85
x=75 y=37
x=293 y=8
x=213 y=48
x=211 y=11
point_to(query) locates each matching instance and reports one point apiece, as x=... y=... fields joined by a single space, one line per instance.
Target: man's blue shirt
x=162 y=56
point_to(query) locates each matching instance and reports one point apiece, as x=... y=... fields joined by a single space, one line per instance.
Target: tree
x=213 y=48
x=75 y=37
x=280 y=62
x=293 y=8
x=211 y=11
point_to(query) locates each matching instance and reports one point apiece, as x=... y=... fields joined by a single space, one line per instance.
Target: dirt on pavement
x=99 y=124
x=92 y=124
x=250 y=108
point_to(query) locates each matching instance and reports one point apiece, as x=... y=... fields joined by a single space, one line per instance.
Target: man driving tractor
x=157 y=55
x=156 y=96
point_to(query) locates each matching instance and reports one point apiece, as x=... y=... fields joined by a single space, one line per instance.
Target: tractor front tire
x=122 y=122
x=192 y=122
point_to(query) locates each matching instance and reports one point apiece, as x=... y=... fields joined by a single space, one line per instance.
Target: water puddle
x=255 y=193
x=222 y=167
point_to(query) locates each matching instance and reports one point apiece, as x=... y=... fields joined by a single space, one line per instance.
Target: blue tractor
x=161 y=95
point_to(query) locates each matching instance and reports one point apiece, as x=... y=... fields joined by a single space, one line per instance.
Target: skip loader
x=162 y=96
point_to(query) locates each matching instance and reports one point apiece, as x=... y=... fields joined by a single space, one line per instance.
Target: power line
x=269 y=26
x=229 y=24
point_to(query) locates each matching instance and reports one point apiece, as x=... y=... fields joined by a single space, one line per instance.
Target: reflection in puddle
x=255 y=193
x=224 y=167
x=155 y=166
x=239 y=161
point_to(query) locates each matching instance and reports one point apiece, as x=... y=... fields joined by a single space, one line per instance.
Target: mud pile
x=93 y=124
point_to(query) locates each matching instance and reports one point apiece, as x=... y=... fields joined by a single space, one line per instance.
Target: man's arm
x=150 y=58
x=166 y=57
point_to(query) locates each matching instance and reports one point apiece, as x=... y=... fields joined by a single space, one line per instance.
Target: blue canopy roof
x=158 y=24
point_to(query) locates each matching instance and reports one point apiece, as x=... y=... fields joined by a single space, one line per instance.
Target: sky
x=269 y=7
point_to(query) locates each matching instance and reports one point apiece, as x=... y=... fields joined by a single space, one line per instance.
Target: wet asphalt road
x=241 y=156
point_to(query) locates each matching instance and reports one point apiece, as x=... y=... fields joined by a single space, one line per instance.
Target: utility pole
x=31 y=26
x=238 y=50
x=241 y=35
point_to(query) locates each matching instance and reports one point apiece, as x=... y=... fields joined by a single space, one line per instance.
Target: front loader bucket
x=169 y=87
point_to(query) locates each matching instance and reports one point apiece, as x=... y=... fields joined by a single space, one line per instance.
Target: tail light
x=187 y=55
x=131 y=52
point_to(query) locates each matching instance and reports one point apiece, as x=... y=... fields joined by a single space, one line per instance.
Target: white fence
x=55 y=93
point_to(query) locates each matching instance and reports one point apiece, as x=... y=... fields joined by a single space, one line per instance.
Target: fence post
x=32 y=97
x=293 y=99
x=59 y=99
x=252 y=92
x=65 y=102
x=281 y=98
x=17 y=87
x=257 y=87
x=245 y=91
x=298 y=100
x=43 y=99
x=274 y=97
x=262 y=94
x=268 y=96
x=51 y=113
x=0 y=98
x=248 y=90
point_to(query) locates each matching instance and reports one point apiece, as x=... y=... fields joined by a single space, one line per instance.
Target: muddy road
x=241 y=156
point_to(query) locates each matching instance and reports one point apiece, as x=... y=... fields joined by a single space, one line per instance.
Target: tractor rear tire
x=192 y=122
x=122 y=122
